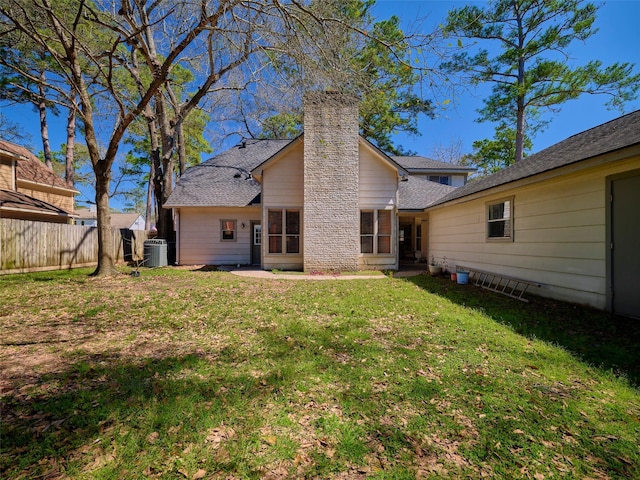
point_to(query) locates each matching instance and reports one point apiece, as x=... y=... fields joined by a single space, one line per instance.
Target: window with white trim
x=375 y=231
x=283 y=230
x=443 y=179
x=228 y=230
x=500 y=220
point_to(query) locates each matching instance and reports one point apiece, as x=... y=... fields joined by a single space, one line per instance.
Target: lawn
x=201 y=374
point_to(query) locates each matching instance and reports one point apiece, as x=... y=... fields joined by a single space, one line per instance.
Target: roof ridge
x=590 y=143
x=583 y=132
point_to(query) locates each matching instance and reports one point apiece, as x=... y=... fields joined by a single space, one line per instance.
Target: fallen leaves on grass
x=218 y=435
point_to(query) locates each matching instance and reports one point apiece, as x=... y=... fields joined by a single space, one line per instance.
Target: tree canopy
x=521 y=47
x=385 y=74
x=115 y=65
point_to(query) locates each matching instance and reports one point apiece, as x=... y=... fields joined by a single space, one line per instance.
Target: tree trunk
x=164 y=170
x=520 y=131
x=148 y=210
x=157 y=192
x=106 y=260
x=182 y=149
x=164 y=218
x=44 y=128
x=153 y=170
x=165 y=215
x=163 y=182
x=521 y=88
x=69 y=170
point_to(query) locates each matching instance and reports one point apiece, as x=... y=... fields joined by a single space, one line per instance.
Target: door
x=625 y=245
x=406 y=246
x=256 y=243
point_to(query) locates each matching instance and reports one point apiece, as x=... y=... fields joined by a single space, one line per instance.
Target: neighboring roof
x=615 y=135
x=17 y=201
x=13 y=150
x=424 y=163
x=417 y=193
x=225 y=180
x=30 y=168
x=123 y=220
x=86 y=213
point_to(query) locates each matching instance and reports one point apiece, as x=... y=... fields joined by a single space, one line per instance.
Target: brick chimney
x=331 y=215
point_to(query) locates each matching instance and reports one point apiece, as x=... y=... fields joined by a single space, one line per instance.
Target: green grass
x=201 y=374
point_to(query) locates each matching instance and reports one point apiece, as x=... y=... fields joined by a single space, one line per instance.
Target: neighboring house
x=29 y=190
x=86 y=217
x=328 y=200
x=128 y=221
x=567 y=217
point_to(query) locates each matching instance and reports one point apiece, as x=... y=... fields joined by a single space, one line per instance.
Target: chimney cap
x=331 y=97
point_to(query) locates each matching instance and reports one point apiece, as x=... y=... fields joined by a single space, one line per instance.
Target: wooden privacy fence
x=27 y=246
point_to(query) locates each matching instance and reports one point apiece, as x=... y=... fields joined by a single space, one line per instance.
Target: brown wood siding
x=61 y=201
x=6 y=176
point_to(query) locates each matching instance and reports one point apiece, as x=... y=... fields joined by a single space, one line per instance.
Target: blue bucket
x=463 y=278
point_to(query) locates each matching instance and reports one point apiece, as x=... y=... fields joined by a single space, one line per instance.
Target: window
x=228 y=230
x=257 y=234
x=366 y=232
x=375 y=231
x=500 y=220
x=284 y=231
x=384 y=231
x=292 y=231
x=275 y=231
x=445 y=180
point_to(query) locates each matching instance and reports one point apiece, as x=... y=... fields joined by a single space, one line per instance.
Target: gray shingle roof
x=617 y=134
x=424 y=163
x=416 y=193
x=224 y=180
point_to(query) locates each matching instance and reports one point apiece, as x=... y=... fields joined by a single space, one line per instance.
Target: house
x=127 y=221
x=29 y=190
x=329 y=199
x=86 y=217
x=563 y=219
x=566 y=218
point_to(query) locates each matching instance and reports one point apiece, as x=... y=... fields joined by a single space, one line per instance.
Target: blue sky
x=617 y=40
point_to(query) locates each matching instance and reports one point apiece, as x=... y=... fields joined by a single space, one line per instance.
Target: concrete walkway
x=254 y=272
